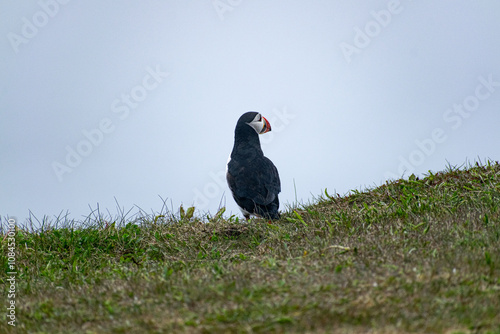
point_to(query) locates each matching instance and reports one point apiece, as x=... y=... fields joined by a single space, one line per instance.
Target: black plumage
x=253 y=179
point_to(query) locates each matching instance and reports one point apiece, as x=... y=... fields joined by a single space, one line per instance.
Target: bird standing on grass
x=253 y=179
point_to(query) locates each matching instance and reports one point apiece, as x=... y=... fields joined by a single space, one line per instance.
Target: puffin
x=252 y=178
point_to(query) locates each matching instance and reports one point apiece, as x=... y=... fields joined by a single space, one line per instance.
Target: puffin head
x=256 y=121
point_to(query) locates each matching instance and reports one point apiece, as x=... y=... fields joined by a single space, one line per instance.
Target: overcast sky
x=137 y=100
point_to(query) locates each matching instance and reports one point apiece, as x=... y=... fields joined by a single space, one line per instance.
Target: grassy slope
x=409 y=256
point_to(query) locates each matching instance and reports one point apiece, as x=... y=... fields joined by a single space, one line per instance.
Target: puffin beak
x=266 y=127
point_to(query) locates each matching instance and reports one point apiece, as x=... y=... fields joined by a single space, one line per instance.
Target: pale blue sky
x=356 y=93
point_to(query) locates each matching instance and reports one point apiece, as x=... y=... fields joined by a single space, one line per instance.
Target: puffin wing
x=257 y=180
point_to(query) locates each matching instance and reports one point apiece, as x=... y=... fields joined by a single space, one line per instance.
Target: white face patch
x=258 y=123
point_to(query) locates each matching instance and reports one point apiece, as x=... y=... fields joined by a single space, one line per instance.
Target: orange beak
x=267 y=126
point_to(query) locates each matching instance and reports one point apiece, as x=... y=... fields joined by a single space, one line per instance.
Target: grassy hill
x=417 y=255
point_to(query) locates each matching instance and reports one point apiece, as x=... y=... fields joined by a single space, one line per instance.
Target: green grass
x=416 y=255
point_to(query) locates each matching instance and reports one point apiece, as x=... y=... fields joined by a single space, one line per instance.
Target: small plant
x=186 y=215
